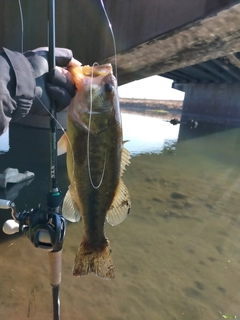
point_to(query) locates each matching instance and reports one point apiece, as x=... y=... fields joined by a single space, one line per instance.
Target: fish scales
x=104 y=156
x=94 y=157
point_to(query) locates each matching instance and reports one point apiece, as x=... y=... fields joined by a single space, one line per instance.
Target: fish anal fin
x=70 y=210
x=97 y=260
x=62 y=145
x=121 y=205
x=125 y=160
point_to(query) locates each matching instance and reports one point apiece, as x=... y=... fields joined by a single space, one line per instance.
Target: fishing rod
x=54 y=196
x=45 y=228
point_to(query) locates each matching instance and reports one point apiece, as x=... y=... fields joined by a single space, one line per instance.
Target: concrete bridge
x=195 y=43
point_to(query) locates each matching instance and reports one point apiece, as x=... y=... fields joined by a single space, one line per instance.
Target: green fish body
x=96 y=160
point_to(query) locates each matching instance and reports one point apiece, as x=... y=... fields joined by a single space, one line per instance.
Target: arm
x=11 y=92
x=25 y=84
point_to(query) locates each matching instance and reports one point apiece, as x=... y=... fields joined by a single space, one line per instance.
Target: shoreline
x=151 y=107
x=156 y=108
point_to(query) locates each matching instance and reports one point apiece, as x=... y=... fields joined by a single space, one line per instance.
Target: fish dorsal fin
x=69 y=209
x=125 y=160
x=62 y=145
x=121 y=205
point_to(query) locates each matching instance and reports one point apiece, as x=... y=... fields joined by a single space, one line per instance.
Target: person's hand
x=57 y=84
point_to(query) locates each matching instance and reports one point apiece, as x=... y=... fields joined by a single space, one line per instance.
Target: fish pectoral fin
x=121 y=205
x=69 y=209
x=125 y=160
x=62 y=144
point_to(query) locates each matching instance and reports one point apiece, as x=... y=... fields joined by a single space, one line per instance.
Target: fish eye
x=108 y=87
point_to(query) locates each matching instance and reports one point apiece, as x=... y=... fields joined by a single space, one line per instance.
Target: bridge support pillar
x=211 y=102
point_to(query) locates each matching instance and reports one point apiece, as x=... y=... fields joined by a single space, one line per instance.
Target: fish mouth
x=90 y=83
x=97 y=70
x=82 y=75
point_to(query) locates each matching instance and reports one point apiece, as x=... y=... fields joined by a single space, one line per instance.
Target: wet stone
x=169 y=214
x=199 y=285
x=221 y=289
x=190 y=250
x=157 y=199
x=162 y=180
x=177 y=205
x=178 y=195
x=212 y=259
x=172 y=215
x=219 y=249
x=187 y=204
x=151 y=179
x=223 y=233
x=191 y=292
x=208 y=205
x=234 y=219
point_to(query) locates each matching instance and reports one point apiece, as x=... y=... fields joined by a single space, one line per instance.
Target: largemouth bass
x=96 y=159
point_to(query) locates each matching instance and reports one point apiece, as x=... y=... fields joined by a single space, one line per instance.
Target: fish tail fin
x=94 y=259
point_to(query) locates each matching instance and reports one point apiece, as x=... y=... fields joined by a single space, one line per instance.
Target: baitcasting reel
x=44 y=228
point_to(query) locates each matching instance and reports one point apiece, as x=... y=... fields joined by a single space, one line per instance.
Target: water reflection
x=148 y=134
x=177 y=256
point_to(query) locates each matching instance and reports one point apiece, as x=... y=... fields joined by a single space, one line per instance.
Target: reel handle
x=11 y=227
x=6 y=204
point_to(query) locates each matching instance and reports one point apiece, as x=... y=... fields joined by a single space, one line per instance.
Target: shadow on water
x=204 y=129
x=177 y=256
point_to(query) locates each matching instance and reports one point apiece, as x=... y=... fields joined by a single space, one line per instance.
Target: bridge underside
x=152 y=37
x=221 y=70
x=206 y=50
x=195 y=43
x=203 y=59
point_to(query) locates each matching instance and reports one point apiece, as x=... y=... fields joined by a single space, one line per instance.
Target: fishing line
x=91 y=97
x=88 y=137
x=113 y=37
x=61 y=127
x=22 y=28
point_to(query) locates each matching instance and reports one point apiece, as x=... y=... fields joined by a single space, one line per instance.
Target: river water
x=177 y=256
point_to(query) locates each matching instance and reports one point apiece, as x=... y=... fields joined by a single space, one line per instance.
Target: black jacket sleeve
x=17 y=87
